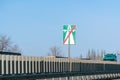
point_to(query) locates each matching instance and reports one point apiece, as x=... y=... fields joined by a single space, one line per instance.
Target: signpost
x=69 y=38
x=69 y=32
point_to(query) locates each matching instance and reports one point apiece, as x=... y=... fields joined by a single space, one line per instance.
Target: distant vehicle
x=110 y=57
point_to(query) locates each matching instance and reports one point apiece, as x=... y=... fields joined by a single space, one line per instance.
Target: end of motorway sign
x=69 y=34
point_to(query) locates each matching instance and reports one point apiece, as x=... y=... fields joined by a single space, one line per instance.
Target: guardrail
x=26 y=66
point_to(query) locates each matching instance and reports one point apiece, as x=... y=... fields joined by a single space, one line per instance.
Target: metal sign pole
x=69 y=61
x=69 y=38
x=68 y=51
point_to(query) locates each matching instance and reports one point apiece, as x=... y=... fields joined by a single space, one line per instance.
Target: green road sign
x=69 y=34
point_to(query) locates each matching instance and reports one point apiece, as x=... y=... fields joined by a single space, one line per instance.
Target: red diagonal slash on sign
x=69 y=34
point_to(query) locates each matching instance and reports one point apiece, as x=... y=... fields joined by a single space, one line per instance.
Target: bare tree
x=54 y=51
x=101 y=54
x=98 y=56
x=80 y=56
x=95 y=54
x=89 y=55
x=6 y=44
x=15 y=48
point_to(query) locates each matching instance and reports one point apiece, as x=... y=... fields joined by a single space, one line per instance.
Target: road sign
x=69 y=33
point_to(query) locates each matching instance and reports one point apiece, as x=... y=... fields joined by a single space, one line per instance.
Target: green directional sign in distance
x=69 y=33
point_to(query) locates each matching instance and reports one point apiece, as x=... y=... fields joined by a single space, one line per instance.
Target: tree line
x=92 y=54
x=95 y=54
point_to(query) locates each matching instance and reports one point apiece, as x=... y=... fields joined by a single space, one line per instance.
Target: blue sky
x=36 y=25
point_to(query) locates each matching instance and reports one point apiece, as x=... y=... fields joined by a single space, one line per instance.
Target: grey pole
x=68 y=51
x=69 y=61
